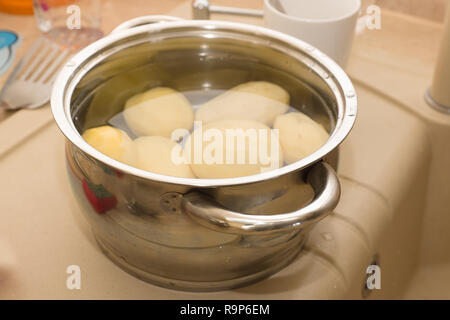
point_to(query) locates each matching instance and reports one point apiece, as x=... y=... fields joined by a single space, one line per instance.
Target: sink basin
x=394 y=211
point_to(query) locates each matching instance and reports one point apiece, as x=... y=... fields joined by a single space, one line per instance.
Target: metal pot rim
x=64 y=86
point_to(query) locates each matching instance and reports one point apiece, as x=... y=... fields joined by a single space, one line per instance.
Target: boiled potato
x=154 y=154
x=158 y=112
x=232 y=148
x=108 y=140
x=300 y=136
x=258 y=100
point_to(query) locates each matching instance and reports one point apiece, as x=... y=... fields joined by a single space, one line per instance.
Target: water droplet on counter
x=327 y=236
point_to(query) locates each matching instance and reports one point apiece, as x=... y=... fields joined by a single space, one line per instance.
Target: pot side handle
x=144 y=20
x=210 y=214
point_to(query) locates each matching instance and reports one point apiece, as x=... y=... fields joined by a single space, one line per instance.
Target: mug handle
x=141 y=21
x=212 y=215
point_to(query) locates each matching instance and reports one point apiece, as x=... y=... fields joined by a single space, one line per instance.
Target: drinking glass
x=62 y=20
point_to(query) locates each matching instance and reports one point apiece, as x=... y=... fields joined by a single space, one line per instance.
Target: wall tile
x=428 y=9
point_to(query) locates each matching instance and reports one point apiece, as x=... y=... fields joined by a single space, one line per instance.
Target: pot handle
x=141 y=21
x=210 y=214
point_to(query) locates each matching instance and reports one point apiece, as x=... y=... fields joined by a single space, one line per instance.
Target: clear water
x=99 y=99
x=198 y=98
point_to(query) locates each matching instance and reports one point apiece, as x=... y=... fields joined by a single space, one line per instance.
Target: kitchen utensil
x=200 y=234
x=201 y=10
x=326 y=24
x=30 y=83
x=68 y=16
x=329 y=25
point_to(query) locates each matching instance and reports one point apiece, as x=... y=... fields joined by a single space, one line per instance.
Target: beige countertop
x=43 y=232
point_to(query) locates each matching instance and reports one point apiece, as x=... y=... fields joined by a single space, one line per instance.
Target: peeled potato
x=111 y=96
x=300 y=136
x=258 y=100
x=108 y=140
x=155 y=154
x=218 y=158
x=158 y=112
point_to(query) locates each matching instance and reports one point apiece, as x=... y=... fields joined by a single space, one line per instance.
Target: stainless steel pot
x=200 y=234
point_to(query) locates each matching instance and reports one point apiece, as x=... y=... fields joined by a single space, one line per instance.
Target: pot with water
x=197 y=233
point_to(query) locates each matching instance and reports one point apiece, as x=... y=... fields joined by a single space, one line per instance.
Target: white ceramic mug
x=328 y=25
